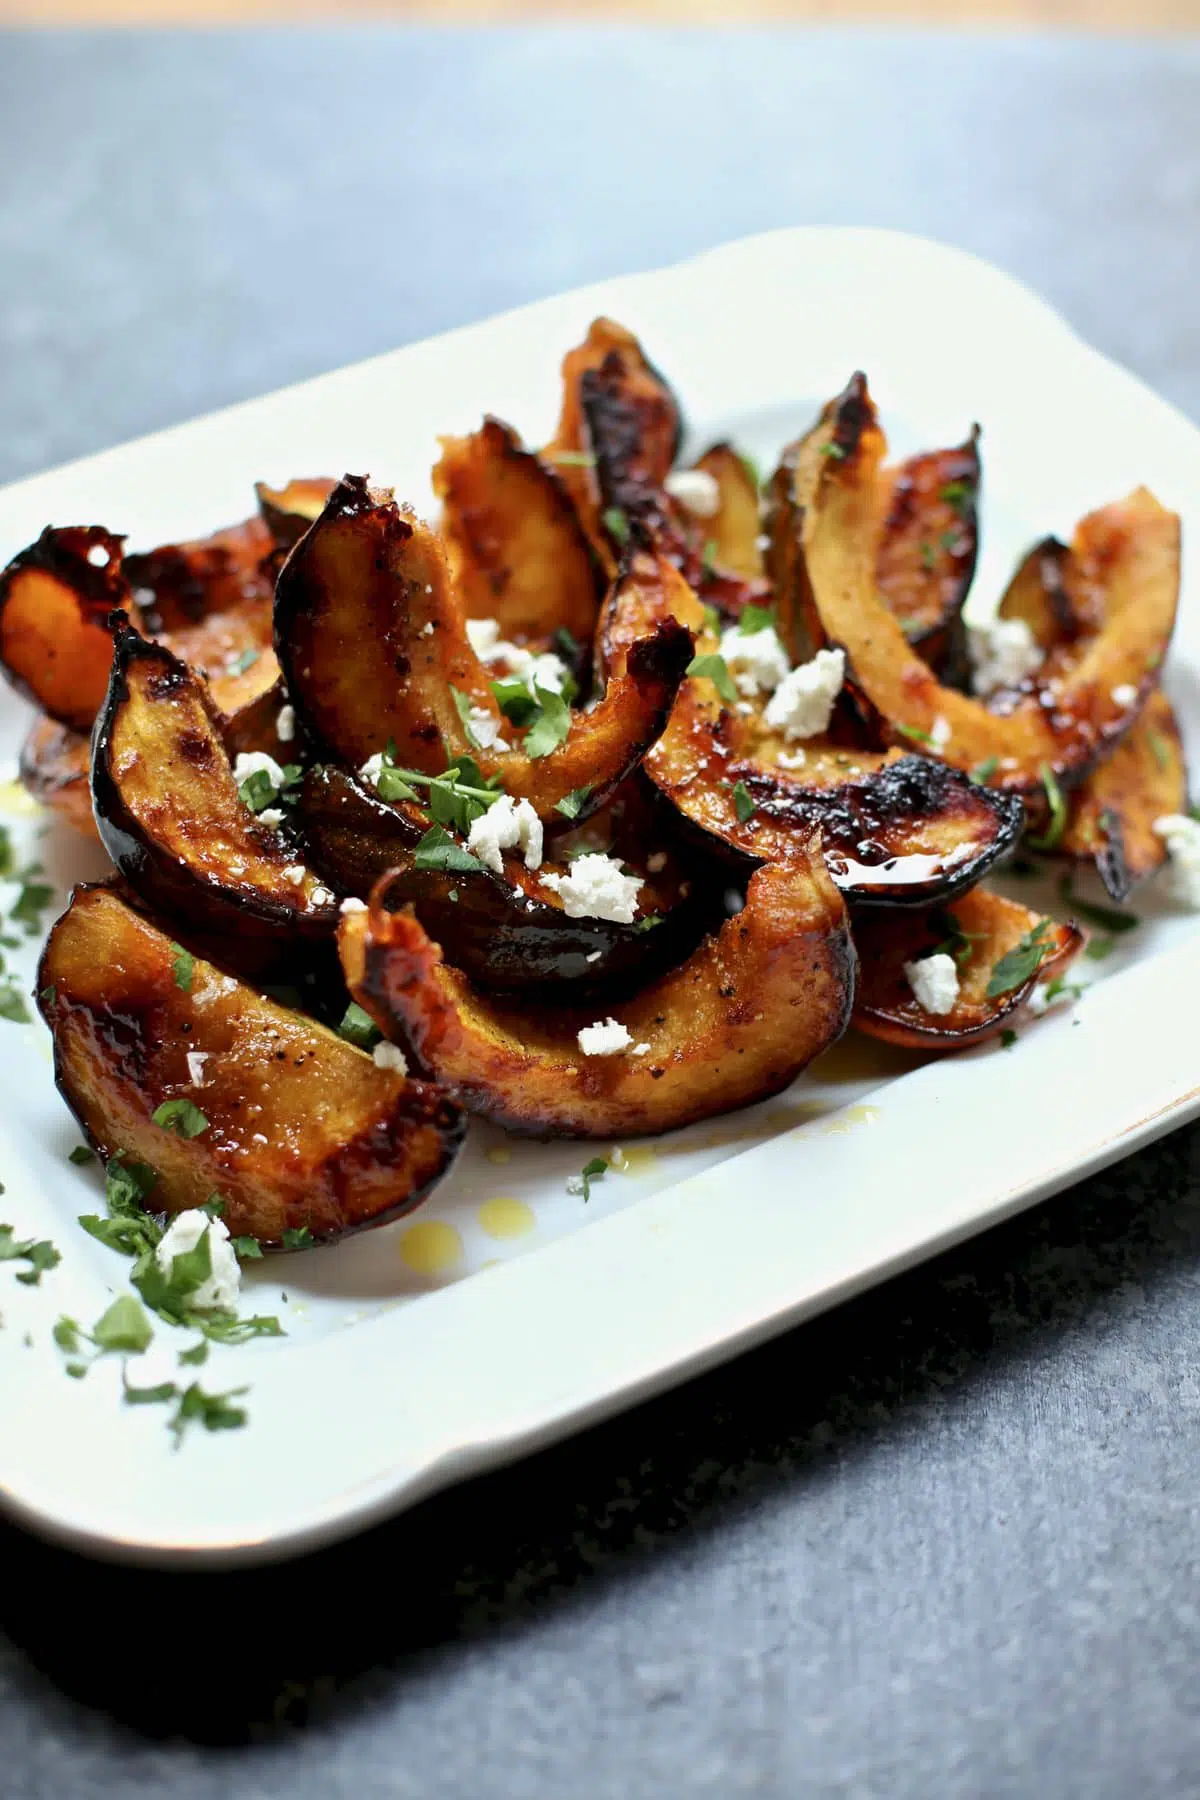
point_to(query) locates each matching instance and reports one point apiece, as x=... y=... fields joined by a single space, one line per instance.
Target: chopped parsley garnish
x=958 y=494
x=949 y=542
x=123 y=1327
x=1062 y=989
x=8 y=860
x=833 y=450
x=915 y=733
x=566 y=644
x=247 y=1249
x=297 y=1237
x=1055 y=799
x=1108 y=918
x=708 y=556
x=616 y=525
x=438 y=850
x=128 y=1228
x=928 y=557
x=514 y=699
x=1007 y=1039
x=48 y=995
x=241 y=663
x=12 y=1004
x=1097 y=948
x=1159 y=749
x=592 y=1171
x=574 y=459
x=182 y=964
x=756 y=618
x=147 y=1396
x=358 y=1027
x=743 y=805
x=258 y=791
x=957 y=942
x=715 y=669
x=572 y=804
x=551 y=725
x=463 y=706
x=39 y=1253
x=983 y=772
x=193 y=1405
x=196 y=1354
x=214 y=1206
x=31 y=902
x=712 y=618
x=648 y=921
x=81 y=1154
x=1022 y=961
x=182 y=1116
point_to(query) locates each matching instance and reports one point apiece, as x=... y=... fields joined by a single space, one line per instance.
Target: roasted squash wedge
x=980 y=930
x=54 y=600
x=374 y=650
x=508 y=932
x=287 y=512
x=169 y=813
x=927 y=548
x=1111 y=818
x=750 y=1008
x=300 y=1128
x=1128 y=553
x=1040 y=595
x=896 y=830
x=54 y=768
x=517 y=550
x=731 y=535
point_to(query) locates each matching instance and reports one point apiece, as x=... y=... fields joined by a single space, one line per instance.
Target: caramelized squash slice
x=980 y=930
x=731 y=535
x=1111 y=818
x=1129 y=555
x=926 y=552
x=517 y=550
x=301 y=1129
x=896 y=830
x=736 y=1022
x=170 y=815
x=287 y=512
x=1040 y=594
x=507 y=932
x=374 y=650
x=55 y=597
x=54 y=768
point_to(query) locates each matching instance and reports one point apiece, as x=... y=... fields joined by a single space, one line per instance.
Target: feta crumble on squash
x=757 y=660
x=596 y=887
x=1002 y=653
x=802 y=704
x=219 y=1293
x=506 y=825
x=605 y=1038
x=934 y=982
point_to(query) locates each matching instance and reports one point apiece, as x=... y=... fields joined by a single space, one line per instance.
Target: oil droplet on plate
x=504 y=1217
x=499 y=1153
x=638 y=1159
x=431 y=1247
x=853 y=1115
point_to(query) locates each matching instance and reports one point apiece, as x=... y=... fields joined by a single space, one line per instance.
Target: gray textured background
x=941 y=1543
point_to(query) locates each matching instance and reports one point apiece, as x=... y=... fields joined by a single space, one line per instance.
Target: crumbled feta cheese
x=352 y=904
x=427 y=628
x=656 y=862
x=640 y=1050
x=595 y=887
x=506 y=825
x=1002 y=652
x=1125 y=695
x=295 y=873
x=792 y=759
x=256 y=762
x=484 y=727
x=544 y=670
x=695 y=490
x=757 y=660
x=285 y=724
x=593 y=956
x=373 y=768
x=1182 y=835
x=802 y=704
x=97 y=556
x=323 y=896
x=196 y=1060
x=271 y=815
x=939 y=733
x=934 y=982
x=220 y=1292
x=390 y=1056
x=606 y=1038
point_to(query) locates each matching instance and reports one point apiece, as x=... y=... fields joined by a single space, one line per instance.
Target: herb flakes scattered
x=39 y=1253
x=715 y=669
x=1021 y=962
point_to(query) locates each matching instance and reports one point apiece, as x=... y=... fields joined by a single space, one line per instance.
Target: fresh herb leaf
x=1108 y=918
x=716 y=669
x=358 y=1027
x=708 y=556
x=247 y=1249
x=190 y=1269
x=297 y=1237
x=743 y=805
x=915 y=733
x=39 y=1253
x=31 y=903
x=258 y=791
x=983 y=772
x=228 y=1328
x=241 y=663
x=1021 y=962
x=833 y=450
x=48 y=995
x=756 y=618
x=1158 y=746
x=551 y=725
x=958 y=494
x=182 y=964
x=566 y=644
x=712 y=619
x=648 y=922
x=949 y=542
x=182 y=1116
x=214 y=1206
x=514 y=699
x=66 y=1334
x=592 y=1171
x=123 y=1327
x=197 y=1354
x=12 y=1005
x=1097 y=948
x=8 y=861
x=81 y=1154
x=1052 y=836
x=437 y=850
x=573 y=459
x=1061 y=989
x=464 y=706
x=213 y=1411
x=1007 y=1039
x=391 y=785
x=147 y=1396
x=572 y=804
x=928 y=557
x=77 y=1370
x=616 y=525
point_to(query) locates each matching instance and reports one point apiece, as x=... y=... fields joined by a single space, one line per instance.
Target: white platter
x=396 y=1379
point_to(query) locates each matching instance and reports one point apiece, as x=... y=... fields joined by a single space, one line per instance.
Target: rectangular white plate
x=393 y=1381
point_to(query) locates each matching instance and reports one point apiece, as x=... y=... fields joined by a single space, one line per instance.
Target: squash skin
x=287 y=512
x=886 y=1007
x=517 y=549
x=168 y=813
x=345 y=1146
x=352 y=605
x=55 y=647
x=753 y=1005
x=1130 y=551
x=54 y=768
x=733 y=531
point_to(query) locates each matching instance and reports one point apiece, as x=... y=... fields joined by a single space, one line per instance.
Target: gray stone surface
x=942 y=1543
